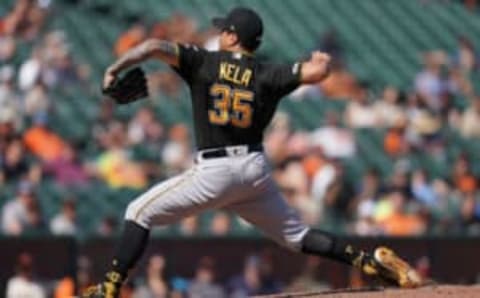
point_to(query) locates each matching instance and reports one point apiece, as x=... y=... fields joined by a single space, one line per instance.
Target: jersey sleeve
x=190 y=58
x=282 y=79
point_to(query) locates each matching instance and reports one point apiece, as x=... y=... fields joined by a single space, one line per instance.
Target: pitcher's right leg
x=132 y=241
x=190 y=193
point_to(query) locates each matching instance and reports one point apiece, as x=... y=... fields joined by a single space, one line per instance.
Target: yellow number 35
x=227 y=99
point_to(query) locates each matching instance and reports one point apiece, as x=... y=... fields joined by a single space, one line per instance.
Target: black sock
x=128 y=251
x=323 y=244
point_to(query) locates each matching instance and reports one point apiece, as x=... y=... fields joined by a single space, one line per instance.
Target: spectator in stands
x=84 y=276
x=395 y=143
x=25 y=20
x=63 y=71
x=298 y=144
x=291 y=175
x=115 y=165
x=23 y=284
x=132 y=37
x=67 y=169
x=391 y=214
x=105 y=119
x=36 y=100
x=155 y=138
x=182 y=29
x=8 y=47
x=154 y=285
x=7 y=131
x=340 y=83
x=43 y=142
x=176 y=154
x=446 y=212
x=465 y=56
x=249 y=282
x=159 y=30
x=360 y=113
x=335 y=141
x=108 y=226
x=339 y=198
x=12 y=162
x=203 y=284
x=429 y=83
x=30 y=72
x=370 y=186
x=470 y=120
x=399 y=179
x=65 y=288
x=459 y=84
x=308 y=279
x=165 y=83
x=139 y=125
x=58 y=68
x=36 y=223
x=422 y=122
x=9 y=97
x=423 y=267
x=220 y=225
x=330 y=44
x=323 y=176
x=365 y=224
x=189 y=226
x=179 y=287
x=462 y=176
x=19 y=214
x=367 y=194
x=469 y=213
x=388 y=109
x=271 y=283
x=127 y=290
x=256 y=279
x=422 y=190
x=65 y=222
x=276 y=136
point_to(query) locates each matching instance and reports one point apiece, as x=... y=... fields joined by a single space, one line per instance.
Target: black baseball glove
x=129 y=88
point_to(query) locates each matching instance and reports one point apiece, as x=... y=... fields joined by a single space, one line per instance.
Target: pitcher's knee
x=318 y=242
x=294 y=241
x=136 y=212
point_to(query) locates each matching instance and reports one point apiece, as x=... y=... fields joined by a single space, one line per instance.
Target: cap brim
x=219 y=23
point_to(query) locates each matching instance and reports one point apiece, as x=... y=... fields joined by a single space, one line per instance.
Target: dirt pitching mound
x=425 y=292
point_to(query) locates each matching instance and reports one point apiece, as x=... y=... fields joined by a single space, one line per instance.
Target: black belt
x=237 y=150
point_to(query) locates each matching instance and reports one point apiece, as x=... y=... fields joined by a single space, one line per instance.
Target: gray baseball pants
x=240 y=183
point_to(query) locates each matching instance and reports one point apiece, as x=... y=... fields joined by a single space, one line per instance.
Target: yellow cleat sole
x=400 y=270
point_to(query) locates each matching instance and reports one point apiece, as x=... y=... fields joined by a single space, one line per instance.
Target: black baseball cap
x=246 y=23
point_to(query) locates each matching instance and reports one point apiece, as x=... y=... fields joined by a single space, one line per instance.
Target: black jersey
x=234 y=96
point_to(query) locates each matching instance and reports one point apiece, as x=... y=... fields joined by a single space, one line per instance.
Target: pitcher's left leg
x=271 y=214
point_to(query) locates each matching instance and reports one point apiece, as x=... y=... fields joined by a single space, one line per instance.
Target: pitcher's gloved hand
x=129 y=88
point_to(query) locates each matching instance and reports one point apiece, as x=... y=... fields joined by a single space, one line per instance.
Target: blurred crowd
x=159 y=279
x=256 y=278
x=390 y=195
x=438 y=114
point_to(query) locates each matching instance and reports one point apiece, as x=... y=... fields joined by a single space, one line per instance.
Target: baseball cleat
x=392 y=268
x=102 y=290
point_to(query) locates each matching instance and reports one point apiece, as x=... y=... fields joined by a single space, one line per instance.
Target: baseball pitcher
x=234 y=96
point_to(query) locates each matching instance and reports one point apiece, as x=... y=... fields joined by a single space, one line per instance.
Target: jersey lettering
x=231 y=106
x=233 y=73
